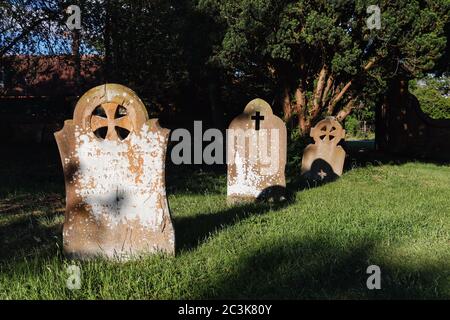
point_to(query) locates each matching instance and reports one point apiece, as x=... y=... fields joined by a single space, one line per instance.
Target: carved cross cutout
x=110 y=121
x=258 y=118
x=326 y=133
x=322 y=174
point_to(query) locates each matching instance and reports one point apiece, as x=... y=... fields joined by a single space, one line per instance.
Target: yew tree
x=321 y=56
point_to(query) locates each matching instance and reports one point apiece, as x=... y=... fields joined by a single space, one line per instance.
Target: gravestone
x=256 y=154
x=113 y=158
x=324 y=160
x=403 y=128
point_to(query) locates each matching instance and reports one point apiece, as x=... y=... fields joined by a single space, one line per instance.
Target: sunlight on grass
x=317 y=246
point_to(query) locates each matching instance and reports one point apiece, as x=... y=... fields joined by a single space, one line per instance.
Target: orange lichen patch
x=91 y=184
x=324 y=160
x=136 y=163
x=115 y=187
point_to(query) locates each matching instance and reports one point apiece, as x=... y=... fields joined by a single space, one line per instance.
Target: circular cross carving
x=110 y=112
x=110 y=121
x=328 y=131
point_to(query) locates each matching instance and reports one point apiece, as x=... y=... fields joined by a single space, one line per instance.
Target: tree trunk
x=317 y=105
x=327 y=92
x=300 y=107
x=286 y=104
x=217 y=112
x=346 y=110
x=107 y=43
x=326 y=96
x=76 y=58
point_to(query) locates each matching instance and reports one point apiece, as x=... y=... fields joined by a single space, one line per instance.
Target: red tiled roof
x=48 y=75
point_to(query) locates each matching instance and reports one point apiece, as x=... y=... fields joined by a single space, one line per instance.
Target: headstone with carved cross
x=324 y=160
x=113 y=158
x=256 y=154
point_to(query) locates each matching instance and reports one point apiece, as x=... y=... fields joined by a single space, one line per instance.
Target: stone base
x=234 y=200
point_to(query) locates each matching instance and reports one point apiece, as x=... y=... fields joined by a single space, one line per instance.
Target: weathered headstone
x=256 y=154
x=324 y=160
x=113 y=158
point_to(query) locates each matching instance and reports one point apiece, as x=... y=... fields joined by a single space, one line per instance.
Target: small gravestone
x=113 y=158
x=256 y=154
x=324 y=160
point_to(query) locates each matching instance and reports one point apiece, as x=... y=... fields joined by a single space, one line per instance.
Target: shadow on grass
x=190 y=179
x=14 y=205
x=360 y=154
x=312 y=178
x=29 y=236
x=30 y=168
x=192 y=230
x=321 y=269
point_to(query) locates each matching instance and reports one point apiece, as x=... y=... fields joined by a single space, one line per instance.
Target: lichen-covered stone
x=324 y=160
x=113 y=158
x=256 y=154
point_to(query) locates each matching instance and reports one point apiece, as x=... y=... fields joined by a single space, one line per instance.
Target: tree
x=143 y=41
x=38 y=27
x=433 y=94
x=24 y=23
x=320 y=57
x=156 y=47
x=160 y=49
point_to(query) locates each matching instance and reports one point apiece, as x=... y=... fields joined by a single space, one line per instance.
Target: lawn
x=394 y=214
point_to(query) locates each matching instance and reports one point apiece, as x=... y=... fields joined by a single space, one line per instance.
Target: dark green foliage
x=145 y=48
x=352 y=126
x=207 y=58
x=433 y=94
x=286 y=44
x=296 y=145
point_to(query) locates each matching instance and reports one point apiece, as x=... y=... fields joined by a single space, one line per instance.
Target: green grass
x=318 y=245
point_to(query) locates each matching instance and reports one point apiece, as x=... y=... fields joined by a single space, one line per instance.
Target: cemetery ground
x=384 y=211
